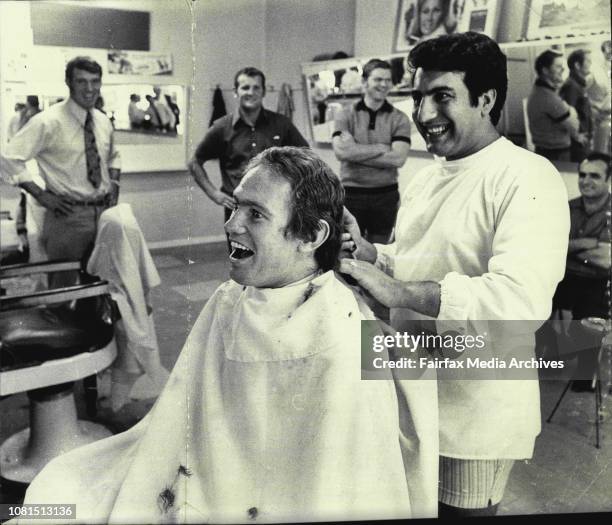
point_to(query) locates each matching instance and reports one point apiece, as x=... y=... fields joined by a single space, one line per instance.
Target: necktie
x=94 y=174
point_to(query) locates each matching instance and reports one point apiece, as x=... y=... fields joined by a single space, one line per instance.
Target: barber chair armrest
x=17 y=270
x=59 y=295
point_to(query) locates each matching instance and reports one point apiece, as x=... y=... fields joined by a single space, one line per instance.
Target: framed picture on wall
x=556 y=18
x=480 y=16
x=139 y=63
x=419 y=20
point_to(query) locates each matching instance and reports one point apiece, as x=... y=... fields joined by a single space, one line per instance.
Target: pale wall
x=210 y=40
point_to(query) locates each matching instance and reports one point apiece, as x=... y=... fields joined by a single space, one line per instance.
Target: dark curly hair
x=475 y=54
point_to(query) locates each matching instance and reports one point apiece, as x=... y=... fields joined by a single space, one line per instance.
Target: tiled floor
x=566 y=475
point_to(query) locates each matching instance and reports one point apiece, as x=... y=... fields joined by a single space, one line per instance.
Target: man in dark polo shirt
x=584 y=289
x=553 y=123
x=236 y=138
x=573 y=91
x=372 y=140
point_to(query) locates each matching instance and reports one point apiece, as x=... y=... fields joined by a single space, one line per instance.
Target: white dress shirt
x=55 y=138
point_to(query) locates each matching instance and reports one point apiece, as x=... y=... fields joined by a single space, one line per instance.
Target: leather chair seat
x=32 y=336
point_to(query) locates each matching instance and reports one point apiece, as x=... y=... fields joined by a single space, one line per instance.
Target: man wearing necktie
x=72 y=143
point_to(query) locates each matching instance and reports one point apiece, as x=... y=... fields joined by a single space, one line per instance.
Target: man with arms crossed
x=553 y=123
x=73 y=145
x=574 y=92
x=236 y=138
x=372 y=140
x=465 y=250
x=585 y=288
x=265 y=416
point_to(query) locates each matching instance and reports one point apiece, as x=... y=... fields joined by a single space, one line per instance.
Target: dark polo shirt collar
x=578 y=79
x=261 y=118
x=385 y=108
x=542 y=83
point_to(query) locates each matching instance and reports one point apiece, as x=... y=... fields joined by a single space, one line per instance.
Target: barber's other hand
x=222 y=199
x=382 y=287
x=54 y=203
x=353 y=244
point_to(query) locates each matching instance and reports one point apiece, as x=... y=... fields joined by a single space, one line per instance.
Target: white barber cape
x=121 y=256
x=264 y=418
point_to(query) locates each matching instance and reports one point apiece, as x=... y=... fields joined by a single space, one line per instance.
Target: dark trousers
x=585 y=297
x=562 y=154
x=375 y=209
x=70 y=237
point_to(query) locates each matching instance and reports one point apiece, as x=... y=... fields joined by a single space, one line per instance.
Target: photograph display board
x=419 y=20
x=557 y=18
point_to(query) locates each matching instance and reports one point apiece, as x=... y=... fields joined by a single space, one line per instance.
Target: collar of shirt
x=579 y=204
x=489 y=153
x=77 y=111
x=577 y=78
x=236 y=118
x=385 y=108
x=542 y=83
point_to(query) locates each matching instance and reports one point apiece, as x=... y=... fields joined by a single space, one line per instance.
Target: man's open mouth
x=240 y=251
x=434 y=132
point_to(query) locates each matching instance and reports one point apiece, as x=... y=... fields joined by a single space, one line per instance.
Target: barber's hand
x=353 y=244
x=222 y=199
x=54 y=203
x=382 y=287
x=583 y=138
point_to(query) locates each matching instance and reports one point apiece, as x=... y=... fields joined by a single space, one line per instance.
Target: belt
x=359 y=190
x=99 y=202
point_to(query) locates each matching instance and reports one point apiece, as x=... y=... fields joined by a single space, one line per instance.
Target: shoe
x=582 y=385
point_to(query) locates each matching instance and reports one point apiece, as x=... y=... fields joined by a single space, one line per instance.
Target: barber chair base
x=54 y=430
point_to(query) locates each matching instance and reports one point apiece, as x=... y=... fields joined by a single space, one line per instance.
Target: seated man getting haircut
x=265 y=417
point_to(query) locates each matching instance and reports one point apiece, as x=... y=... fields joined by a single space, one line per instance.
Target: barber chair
x=49 y=340
x=602 y=377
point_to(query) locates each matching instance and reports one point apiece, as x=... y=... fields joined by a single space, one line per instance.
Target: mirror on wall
x=146 y=109
x=330 y=86
x=514 y=122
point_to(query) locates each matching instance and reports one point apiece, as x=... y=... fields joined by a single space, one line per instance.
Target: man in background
x=585 y=287
x=160 y=116
x=15 y=123
x=574 y=92
x=136 y=115
x=72 y=143
x=29 y=246
x=553 y=123
x=236 y=138
x=372 y=140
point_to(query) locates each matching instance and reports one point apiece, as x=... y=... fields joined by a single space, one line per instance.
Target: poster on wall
x=139 y=63
x=480 y=16
x=419 y=20
x=15 y=67
x=556 y=18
